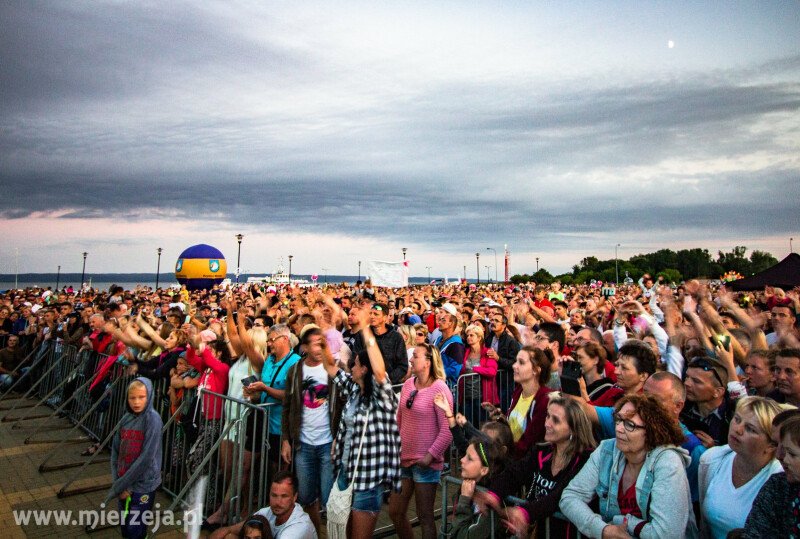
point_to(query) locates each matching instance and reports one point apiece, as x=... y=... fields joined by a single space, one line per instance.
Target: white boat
x=280 y=277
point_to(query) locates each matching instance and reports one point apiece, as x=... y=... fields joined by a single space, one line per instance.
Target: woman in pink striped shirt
x=425 y=437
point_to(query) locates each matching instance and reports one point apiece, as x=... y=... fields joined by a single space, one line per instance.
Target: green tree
x=542 y=277
x=670 y=275
x=735 y=260
x=760 y=260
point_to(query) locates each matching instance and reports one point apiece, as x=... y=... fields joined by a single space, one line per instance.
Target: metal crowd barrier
x=445 y=530
x=232 y=452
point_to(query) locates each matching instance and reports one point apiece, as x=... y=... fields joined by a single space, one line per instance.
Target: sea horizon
x=102 y=281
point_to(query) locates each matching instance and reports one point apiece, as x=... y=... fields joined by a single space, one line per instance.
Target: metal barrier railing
x=232 y=452
x=446 y=528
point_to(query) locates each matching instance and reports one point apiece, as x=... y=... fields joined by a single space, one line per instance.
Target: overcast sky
x=344 y=131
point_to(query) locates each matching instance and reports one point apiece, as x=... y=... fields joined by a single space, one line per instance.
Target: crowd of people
x=650 y=410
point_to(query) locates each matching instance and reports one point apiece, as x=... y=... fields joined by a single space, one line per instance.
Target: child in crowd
x=479 y=465
x=136 y=459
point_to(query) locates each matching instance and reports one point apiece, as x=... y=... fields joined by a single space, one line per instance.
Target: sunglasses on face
x=707 y=367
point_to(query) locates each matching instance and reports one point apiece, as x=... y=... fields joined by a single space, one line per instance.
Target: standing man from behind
x=309 y=424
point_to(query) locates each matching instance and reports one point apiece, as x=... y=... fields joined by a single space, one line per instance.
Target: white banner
x=389 y=274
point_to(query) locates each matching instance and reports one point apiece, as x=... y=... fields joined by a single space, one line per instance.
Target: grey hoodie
x=662 y=493
x=136 y=450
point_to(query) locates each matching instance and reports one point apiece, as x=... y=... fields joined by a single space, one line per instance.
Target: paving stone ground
x=24 y=488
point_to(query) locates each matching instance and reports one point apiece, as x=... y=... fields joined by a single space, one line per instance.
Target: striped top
x=423 y=427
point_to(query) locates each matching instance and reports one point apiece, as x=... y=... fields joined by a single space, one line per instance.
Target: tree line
x=674 y=266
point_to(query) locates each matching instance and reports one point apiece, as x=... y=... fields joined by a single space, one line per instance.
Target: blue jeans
x=6 y=381
x=369 y=501
x=314 y=469
x=418 y=474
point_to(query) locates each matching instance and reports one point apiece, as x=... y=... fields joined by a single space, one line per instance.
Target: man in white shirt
x=286 y=517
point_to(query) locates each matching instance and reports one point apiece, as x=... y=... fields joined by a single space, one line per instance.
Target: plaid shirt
x=380 y=456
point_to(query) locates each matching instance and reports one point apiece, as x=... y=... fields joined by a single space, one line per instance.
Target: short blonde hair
x=764 y=409
x=473 y=328
x=136 y=384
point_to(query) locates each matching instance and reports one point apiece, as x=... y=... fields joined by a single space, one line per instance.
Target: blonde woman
x=425 y=438
x=482 y=385
x=409 y=339
x=730 y=476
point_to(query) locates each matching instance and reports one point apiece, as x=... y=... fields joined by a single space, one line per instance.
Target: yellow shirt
x=518 y=418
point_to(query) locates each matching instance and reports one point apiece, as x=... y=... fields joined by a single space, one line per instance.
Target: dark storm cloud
x=451 y=165
x=58 y=53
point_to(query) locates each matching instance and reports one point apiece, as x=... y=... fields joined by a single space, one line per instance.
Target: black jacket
x=506 y=350
x=393 y=350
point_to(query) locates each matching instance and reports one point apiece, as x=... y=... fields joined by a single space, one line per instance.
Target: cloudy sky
x=344 y=131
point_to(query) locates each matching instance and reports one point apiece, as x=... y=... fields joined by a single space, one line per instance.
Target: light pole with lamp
x=83 y=271
x=158 y=266
x=537 y=264
x=790 y=245
x=488 y=274
x=495 y=263
x=404 y=253
x=239 y=238
x=58 y=277
x=359 y=270
x=326 y=274
x=429 y=273
x=290 y=268
x=478 y=266
x=616 y=263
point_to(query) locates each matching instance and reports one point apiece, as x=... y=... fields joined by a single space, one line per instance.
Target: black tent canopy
x=785 y=274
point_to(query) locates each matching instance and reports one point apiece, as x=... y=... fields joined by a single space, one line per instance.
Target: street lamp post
x=238 y=256
x=790 y=245
x=83 y=271
x=58 y=277
x=616 y=263
x=488 y=274
x=359 y=270
x=404 y=253
x=429 y=273
x=537 y=264
x=495 y=263
x=478 y=266
x=290 y=268
x=158 y=266
x=326 y=274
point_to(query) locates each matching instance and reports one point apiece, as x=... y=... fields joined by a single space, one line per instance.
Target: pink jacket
x=488 y=372
x=214 y=377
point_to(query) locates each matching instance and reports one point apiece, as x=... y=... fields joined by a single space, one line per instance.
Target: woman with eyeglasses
x=425 y=438
x=638 y=478
x=731 y=475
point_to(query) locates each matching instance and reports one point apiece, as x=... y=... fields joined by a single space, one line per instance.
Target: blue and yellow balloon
x=200 y=266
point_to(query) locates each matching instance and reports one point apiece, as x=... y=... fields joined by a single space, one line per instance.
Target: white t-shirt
x=299 y=525
x=238 y=371
x=316 y=427
x=725 y=507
